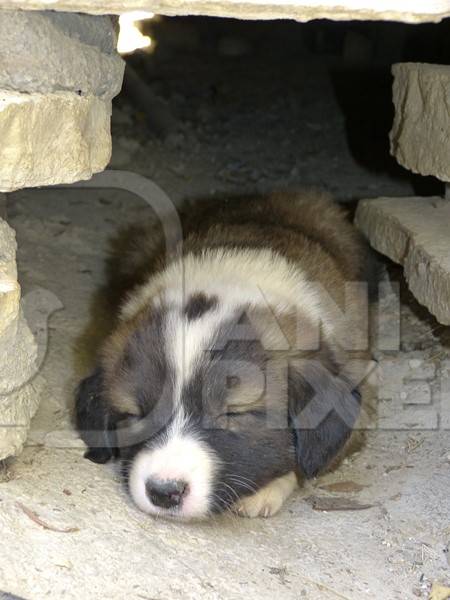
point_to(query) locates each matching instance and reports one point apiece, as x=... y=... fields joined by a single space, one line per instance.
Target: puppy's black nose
x=166 y=494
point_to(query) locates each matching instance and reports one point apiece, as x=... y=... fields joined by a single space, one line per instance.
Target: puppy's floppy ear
x=95 y=420
x=323 y=408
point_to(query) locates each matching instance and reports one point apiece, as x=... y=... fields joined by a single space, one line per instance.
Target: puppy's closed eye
x=132 y=429
x=244 y=398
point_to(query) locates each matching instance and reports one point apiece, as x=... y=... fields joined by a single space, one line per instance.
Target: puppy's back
x=306 y=227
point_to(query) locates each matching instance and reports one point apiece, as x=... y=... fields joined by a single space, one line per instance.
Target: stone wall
x=20 y=386
x=420 y=135
x=58 y=75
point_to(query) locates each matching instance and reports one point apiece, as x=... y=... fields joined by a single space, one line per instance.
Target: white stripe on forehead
x=187 y=340
x=236 y=277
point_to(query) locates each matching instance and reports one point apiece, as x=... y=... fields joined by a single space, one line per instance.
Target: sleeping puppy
x=236 y=365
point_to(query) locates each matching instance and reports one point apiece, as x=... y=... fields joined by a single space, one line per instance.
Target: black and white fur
x=220 y=392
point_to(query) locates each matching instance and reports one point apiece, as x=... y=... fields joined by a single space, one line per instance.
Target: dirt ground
x=256 y=107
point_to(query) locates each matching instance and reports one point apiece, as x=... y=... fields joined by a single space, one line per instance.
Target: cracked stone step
x=414 y=232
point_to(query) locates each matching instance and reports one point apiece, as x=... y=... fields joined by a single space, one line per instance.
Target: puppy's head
x=202 y=407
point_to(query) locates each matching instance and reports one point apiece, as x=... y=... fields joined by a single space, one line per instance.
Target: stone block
x=58 y=75
x=420 y=135
x=47 y=52
x=52 y=138
x=19 y=384
x=414 y=232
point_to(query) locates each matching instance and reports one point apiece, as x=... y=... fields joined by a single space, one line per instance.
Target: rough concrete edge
x=238 y=10
x=31 y=394
x=432 y=276
x=80 y=174
x=407 y=254
x=21 y=385
x=413 y=168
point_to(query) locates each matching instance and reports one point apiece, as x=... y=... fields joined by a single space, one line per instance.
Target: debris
x=346 y=487
x=67 y=492
x=427 y=550
x=412 y=444
x=396 y=497
x=439 y=592
x=36 y=519
x=281 y=572
x=67 y=566
x=398 y=468
x=325 y=503
x=447 y=553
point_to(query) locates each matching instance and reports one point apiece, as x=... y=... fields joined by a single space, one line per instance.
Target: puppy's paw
x=267 y=501
x=262 y=504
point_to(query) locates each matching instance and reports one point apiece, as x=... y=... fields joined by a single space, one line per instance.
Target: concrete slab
x=305 y=10
x=98 y=545
x=107 y=549
x=414 y=232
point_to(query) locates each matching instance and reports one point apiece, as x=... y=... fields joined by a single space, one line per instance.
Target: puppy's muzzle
x=166 y=494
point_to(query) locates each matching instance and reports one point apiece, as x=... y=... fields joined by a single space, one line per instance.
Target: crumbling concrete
x=19 y=388
x=415 y=233
x=58 y=75
x=304 y=10
x=420 y=136
x=52 y=138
